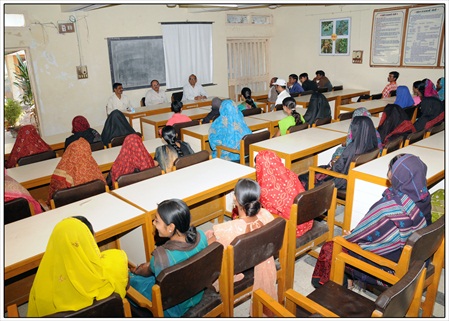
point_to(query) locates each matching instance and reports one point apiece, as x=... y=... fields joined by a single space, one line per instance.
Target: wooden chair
x=307 y=92
x=97 y=146
x=188 y=160
x=182 y=281
x=297 y=128
x=118 y=140
x=176 y=96
x=111 y=307
x=132 y=178
x=322 y=90
x=278 y=107
x=414 y=137
x=322 y=121
x=252 y=111
x=17 y=209
x=435 y=129
x=179 y=126
x=336 y=88
x=49 y=154
x=356 y=161
x=345 y=116
x=426 y=244
x=244 y=145
x=392 y=145
x=411 y=112
x=142 y=102
x=248 y=250
x=73 y=194
x=310 y=205
x=334 y=300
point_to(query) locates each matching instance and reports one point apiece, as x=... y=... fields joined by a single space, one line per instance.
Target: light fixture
x=171 y=5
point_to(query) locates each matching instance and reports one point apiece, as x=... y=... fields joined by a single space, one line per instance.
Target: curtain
x=187 y=50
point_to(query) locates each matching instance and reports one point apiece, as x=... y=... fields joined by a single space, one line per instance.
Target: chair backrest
x=376 y=96
x=364 y=158
x=36 y=158
x=117 y=141
x=96 y=146
x=393 y=145
x=414 y=137
x=307 y=92
x=335 y=88
x=251 y=111
x=79 y=192
x=279 y=107
x=132 y=178
x=410 y=111
x=393 y=93
x=435 y=129
x=187 y=160
x=176 y=96
x=17 y=209
x=297 y=128
x=396 y=301
x=183 y=280
x=254 y=138
x=314 y=202
x=179 y=126
x=142 y=102
x=259 y=245
x=322 y=89
x=322 y=121
x=345 y=116
x=112 y=306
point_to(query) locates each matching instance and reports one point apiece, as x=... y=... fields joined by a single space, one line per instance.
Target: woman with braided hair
x=294 y=118
x=165 y=155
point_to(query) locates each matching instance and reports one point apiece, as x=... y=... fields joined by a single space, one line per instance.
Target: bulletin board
x=411 y=36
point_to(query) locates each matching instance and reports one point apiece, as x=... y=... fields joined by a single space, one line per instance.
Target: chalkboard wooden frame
x=135 y=61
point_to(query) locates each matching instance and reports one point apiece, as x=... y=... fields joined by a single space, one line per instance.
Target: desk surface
x=343 y=126
x=26 y=239
x=332 y=95
x=188 y=112
x=436 y=141
x=369 y=104
x=192 y=184
x=161 y=108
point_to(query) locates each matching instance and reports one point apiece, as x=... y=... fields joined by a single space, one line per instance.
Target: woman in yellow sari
x=73 y=272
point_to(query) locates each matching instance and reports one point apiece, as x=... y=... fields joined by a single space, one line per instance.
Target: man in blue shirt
x=293 y=85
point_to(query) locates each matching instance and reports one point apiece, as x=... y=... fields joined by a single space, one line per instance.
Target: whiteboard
x=135 y=61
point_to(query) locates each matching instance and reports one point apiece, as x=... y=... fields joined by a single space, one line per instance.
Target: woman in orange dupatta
x=28 y=142
x=251 y=217
x=77 y=166
x=133 y=157
x=279 y=187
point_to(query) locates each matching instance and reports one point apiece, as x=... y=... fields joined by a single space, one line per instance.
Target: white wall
x=294 y=47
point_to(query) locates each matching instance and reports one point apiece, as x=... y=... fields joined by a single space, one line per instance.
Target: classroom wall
x=294 y=49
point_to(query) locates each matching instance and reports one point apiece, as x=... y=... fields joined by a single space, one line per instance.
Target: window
x=14 y=20
x=248 y=19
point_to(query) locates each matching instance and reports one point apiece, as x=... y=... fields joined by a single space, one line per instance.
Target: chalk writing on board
x=135 y=61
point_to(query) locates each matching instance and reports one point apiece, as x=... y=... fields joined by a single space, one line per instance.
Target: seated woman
x=251 y=217
x=364 y=139
x=215 y=111
x=279 y=187
x=227 y=130
x=294 y=118
x=13 y=190
x=318 y=108
x=361 y=111
x=81 y=128
x=115 y=125
x=133 y=157
x=394 y=123
x=432 y=109
x=165 y=155
x=403 y=97
x=28 y=142
x=404 y=208
x=440 y=88
x=77 y=166
x=177 y=117
x=73 y=272
x=172 y=221
x=249 y=102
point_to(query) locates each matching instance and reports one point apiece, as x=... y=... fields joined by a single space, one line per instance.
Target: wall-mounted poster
x=334 y=36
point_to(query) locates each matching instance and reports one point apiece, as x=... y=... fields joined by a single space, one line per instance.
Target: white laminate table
x=274 y=117
x=436 y=141
x=373 y=106
x=343 y=126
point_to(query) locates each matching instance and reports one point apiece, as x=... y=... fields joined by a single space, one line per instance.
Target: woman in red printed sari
x=133 y=157
x=77 y=166
x=28 y=142
x=13 y=190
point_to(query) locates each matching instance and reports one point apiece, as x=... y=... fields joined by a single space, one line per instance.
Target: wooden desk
x=150 y=125
x=198 y=136
x=373 y=106
x=274 y=117
x=436 y=141
x=367 y=182
x=333 y=95
x=202 y=186
x=294 y=146
x=343 y=126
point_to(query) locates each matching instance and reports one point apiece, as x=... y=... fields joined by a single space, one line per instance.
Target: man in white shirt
x=155 y=95
x=281 y=88
x=118 y=100
x=192 y=90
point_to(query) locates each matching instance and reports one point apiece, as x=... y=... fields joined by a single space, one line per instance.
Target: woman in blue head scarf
x=440 y=88
x=227 y=130
x=403 y=97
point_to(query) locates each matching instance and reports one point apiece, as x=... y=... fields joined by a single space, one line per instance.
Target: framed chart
x=335 y=36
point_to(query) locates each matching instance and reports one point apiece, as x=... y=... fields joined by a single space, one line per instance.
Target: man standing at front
x=155 y=95
x=192 y=90
x=118 y=100
x=281 y=88
x=392 y=77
